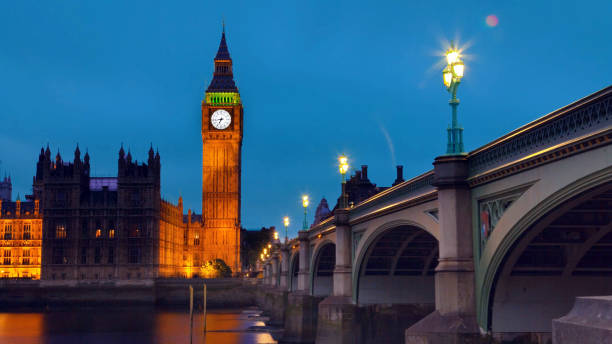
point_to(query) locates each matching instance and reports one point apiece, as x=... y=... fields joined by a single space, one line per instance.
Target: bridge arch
x=559 y=249
x=370 y=239
x=392 y=258
x=322 y=266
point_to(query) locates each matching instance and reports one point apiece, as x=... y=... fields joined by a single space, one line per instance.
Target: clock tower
x=221 y=163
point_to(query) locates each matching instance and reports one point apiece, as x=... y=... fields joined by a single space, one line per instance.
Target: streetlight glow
x=275 y=235
x=452 y=56
x=452 y=75
x=305 y=203
x=286 y=223
x=344 y=166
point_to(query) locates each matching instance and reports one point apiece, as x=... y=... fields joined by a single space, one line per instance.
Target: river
x=131 y=325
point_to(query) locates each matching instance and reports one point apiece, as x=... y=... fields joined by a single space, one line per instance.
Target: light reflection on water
x=128 y=325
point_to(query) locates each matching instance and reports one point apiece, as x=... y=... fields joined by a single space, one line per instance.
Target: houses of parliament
x=75 y=226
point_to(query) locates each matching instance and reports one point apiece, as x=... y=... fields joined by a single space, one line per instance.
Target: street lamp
x=451 y=76
x=286 y=223
x=275 y=235
x=305 y=202
x=343 y=167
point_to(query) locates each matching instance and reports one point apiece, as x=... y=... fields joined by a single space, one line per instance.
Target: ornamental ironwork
x=594 y=114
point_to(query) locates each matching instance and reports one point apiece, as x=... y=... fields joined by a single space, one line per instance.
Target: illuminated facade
x=20 y=239
x=222 y=115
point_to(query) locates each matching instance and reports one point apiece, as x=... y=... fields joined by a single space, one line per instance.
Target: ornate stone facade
x=106 y=228
x=20 y=239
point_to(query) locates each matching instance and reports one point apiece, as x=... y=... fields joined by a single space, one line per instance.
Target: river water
x=131 y=325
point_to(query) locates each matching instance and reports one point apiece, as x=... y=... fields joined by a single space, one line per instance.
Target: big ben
x=221 y=163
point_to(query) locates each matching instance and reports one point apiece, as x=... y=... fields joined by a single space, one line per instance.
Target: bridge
x=499 y=242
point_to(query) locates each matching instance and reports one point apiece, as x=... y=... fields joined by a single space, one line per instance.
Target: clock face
x=221 y=119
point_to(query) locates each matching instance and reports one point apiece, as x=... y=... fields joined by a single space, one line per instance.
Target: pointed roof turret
x=223 y=52
x=223 y=77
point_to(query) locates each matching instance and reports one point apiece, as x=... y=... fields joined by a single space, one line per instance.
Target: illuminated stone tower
x=221 y=163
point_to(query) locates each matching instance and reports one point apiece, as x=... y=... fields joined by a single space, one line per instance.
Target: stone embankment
x=221 y=293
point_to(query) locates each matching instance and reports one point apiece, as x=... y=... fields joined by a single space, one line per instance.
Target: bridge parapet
x=419 y=185
x=585 y=116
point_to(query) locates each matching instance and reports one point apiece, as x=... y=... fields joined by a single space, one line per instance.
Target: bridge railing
x=587 y=115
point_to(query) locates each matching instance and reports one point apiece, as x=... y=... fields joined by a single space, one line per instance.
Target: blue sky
x=317 y=78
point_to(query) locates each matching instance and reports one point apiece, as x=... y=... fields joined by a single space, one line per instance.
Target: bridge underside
x=567 y=253
x=399 y=268
x=322 y=280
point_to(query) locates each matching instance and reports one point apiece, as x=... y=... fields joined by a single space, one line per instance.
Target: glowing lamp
x=275 y=235
x=305 y=201
x=458 y=69
x=265 y=251
x=452 y=56
x=344 y=166
x=447 y=76
x=286 y=221
x=269 y=245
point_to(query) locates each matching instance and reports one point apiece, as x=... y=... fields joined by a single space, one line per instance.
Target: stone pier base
x=274 y=302
x=590 y=321
x=338 y=321
x=445 y=329
x=387 y=323
x=301 y=318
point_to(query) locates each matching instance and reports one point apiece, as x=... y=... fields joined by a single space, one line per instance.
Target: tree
x=216 y=268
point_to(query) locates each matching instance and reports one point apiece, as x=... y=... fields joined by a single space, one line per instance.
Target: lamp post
x=305 y=203
x=286 y=223
x=343 y=167
x=452 y=75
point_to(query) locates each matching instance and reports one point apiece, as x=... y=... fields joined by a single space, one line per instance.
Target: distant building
x=359 y=187
x=322 y=212
x=20 y=239
x=6 y=189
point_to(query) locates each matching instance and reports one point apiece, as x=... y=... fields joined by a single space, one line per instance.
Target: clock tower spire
x=221 y=162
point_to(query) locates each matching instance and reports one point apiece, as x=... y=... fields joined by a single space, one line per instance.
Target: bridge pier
x=338 y=318
x=302 y=308
x=454 y=319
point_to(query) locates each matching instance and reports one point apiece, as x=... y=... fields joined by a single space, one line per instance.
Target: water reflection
x=128 y=325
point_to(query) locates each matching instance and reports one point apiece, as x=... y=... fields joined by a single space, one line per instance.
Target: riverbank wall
x=221 y=293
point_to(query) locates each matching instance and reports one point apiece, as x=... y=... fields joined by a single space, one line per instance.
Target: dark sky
x=317 y=78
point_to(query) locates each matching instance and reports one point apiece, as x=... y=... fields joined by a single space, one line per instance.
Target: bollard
x=204 y=307
x=190 y=314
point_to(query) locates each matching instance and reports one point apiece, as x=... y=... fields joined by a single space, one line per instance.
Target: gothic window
x=58 y=255
x=84 y=228
x=111 y=255
x=111 y=230
x=60 y=231
x=196 y=240
x=7 y=257
x=134 y=231
x=135 y=197
x=83 y=255
x=8 y=231
x=27 y=229
x=98 y=233
x=97 y=255
x=134 y=255
x=26 y=257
